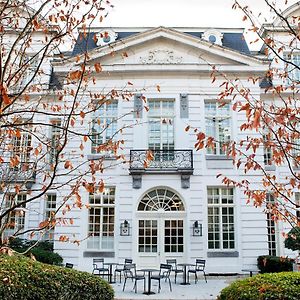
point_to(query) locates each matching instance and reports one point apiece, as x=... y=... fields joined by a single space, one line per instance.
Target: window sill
x=98 y=253
x=217 y=157
x=222 y=254
x=106 y=156
x=270 y=167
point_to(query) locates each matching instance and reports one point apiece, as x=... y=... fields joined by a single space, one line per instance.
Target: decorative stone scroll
x=161 y=57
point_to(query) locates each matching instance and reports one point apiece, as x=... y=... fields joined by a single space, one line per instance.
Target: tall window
x=161 y=126
x=221 y=233
x=49 y=214
x=297 y=200
x=270 y=225
x=218 y=125
x=101 y=220
x=104 y=125
x=22 y=145
x=30 y=64
x=268 y=153
x=16 y=218
x=55 y=136
x=293 y=73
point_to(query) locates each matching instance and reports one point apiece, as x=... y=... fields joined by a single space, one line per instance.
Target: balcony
x=23 y=173
x=163 y=162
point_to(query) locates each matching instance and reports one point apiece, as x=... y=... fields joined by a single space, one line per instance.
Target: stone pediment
x=165 y=46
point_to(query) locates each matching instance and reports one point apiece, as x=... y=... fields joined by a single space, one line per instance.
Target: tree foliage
x=271 y=135
x=46 y=121
x=293 y=239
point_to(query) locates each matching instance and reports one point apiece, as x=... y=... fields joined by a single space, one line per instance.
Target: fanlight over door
x=161 y=217
x=161 y=199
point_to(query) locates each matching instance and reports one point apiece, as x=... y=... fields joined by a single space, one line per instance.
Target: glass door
x=159 y=239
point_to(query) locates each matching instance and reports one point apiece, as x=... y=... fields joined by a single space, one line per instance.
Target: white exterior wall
x=250 y=223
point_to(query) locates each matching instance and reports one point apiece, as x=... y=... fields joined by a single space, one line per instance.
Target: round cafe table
x=149 y=271
x=110 y=274
x=184 y=265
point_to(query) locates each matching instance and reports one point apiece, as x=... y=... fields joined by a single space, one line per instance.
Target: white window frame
x=102 y=131
x=297 y=202
x=271 y=227
x=161 y=117
x=293 y=74
x=268 y=153
x=22 y=145
x=18 y=215
x=96 y=230
x=217 y=204
x=49 y=210
x=217 y=117
x=55 y=135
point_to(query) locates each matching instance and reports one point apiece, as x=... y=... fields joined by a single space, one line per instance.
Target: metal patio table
x=149 y=271
x=185 y=265
x=110 y=275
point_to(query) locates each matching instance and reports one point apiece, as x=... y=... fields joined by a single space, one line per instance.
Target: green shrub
x=275 y=286
x=42 y=251
x=24 y=279
x=293 y=240
x=47 y=257
x=274 y=264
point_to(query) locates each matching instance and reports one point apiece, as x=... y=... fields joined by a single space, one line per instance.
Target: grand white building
x=175 y=207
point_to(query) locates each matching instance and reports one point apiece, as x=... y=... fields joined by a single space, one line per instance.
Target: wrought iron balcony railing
x=23 y=172
x=163 y=161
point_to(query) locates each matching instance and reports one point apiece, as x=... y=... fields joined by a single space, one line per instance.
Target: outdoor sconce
x=125 y=228
x=197 y=229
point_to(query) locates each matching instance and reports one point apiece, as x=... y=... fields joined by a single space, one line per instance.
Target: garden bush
x=24 y=279
x=42 y=251
x=275 y=286
x=274 y=264
x=293 y=239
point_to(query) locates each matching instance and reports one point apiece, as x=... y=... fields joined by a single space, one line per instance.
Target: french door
x=160 y=238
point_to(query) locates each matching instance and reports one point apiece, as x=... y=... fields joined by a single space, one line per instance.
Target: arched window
x=161 y=199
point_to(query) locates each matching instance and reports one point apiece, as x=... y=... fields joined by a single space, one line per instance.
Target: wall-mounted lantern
x=125 y=228
x=197 y=229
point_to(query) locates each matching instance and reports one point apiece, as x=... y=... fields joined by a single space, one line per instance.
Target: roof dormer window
x=213 y=36
x=106 y=37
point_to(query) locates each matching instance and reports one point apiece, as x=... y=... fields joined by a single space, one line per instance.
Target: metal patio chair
x=199 y=267
x=130 y=272
x=120 y=268
x=175 y=269
x=164 y=273
x=98 y=266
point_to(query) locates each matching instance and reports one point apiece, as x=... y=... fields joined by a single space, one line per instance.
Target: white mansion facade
x=175 y=207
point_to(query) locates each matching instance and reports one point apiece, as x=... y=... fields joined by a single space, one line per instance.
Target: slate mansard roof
x=233 y=40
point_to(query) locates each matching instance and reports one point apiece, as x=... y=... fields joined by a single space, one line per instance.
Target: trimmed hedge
x=23 y=278
x=274 y=264
x=42 y=251
x=293 y=239
x=275 y=286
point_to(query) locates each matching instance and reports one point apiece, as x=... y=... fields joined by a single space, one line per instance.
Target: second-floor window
x=104 y=126
x=55 y=136
x=22 y=145
x=297 y=201
x=268 y=153
x=292 y=70
x=161 y=124
x=218 y=125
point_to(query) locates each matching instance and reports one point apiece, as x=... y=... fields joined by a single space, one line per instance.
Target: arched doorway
x=160 y=223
